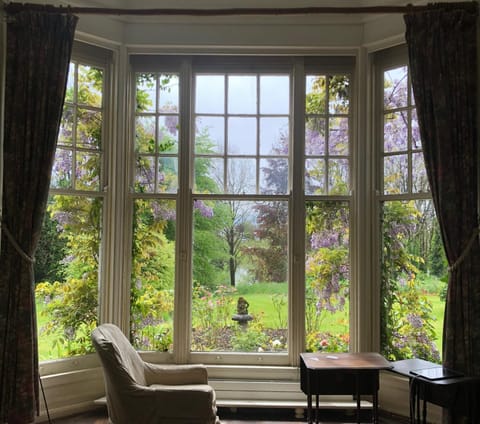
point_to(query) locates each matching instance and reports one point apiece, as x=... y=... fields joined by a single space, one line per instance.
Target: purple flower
x=415 y=320
x=204 y=210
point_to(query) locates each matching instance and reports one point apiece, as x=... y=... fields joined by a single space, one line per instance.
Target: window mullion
x=183 y=266
x=296 y=311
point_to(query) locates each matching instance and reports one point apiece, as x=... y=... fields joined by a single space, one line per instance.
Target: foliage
x=65 y=309
x=228 y=239
x=279 y=302
x=213 y=309
x=269 y=253
x=51 y=250
x=406 y=319
x=210 y=254
x=253 y=339
x=327 y=266
x=72 y=303
x=327 y=342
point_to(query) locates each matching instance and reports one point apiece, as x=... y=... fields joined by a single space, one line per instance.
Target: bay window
x=239 y=209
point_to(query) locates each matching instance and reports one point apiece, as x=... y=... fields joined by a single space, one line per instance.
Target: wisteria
x=202 y=207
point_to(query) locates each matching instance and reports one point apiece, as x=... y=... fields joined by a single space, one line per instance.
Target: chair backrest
x=121 y=363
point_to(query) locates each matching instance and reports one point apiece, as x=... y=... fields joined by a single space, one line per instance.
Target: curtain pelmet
x=38 y=54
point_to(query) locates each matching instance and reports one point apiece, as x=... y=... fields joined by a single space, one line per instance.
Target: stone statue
x=242 y=306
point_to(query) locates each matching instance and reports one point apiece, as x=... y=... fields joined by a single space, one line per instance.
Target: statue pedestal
x=242 y=319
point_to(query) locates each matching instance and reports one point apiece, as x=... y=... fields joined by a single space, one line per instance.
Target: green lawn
x=262 y=307
x=438 y=311
x=46 y=350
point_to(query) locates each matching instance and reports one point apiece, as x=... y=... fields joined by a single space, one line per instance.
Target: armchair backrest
x=122 y=365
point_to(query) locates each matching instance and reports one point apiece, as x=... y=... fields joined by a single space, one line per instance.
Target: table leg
x=357 y=394
x=375 y=407
x=309 y=408
x=317 y=406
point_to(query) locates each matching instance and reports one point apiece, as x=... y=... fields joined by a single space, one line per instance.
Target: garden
x=239 y=248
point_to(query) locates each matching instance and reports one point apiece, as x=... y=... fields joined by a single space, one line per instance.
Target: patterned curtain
x=442 y=45
x=38 y=54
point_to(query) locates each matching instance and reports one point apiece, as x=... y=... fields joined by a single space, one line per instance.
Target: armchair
x=142 y=392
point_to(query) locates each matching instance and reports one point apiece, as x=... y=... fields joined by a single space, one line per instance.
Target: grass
x=46 y=350
x=259 y=297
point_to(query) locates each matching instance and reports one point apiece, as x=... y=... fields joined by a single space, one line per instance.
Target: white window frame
x=299 y=66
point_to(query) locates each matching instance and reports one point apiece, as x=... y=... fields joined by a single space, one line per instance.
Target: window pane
x=395 y=132
x=243 y=166
x=66 y=272
x=241 y=176
x=315 y=176
x=210 y=94
x=209 y=175
x=153 y=274
x=89 y=128
x=242 y=136
x=62 y=169
x=274 y=94
x=339 y=94
x=338 y=136
x=315 y=136
x=145 y=174
x=209 y=135
x=145 y=134
x=274 y=176
x=395 y=170
x=168 y=86
x=87 y=171
x=65 y=134
x=274 y=136
x=68 y=257
x=416 y=140
x=157 y=133
x=419 y=174
x=316 y=96
x=90 y=82
x=338 y=176
x=414 y=275
x=240 y=276
x=70 y=93
x=327 y=276
x=167 y=134
x=242 y=94
x=167 y=175
x=146 y=92
x=395 y=89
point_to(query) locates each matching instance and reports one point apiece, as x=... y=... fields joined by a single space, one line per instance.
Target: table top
x=347 y=361
x=404 y=366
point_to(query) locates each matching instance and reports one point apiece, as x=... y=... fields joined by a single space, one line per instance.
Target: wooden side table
x=341 y=374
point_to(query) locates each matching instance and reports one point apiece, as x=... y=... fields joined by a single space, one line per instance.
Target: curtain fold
x=442 y=46
x=38 y=54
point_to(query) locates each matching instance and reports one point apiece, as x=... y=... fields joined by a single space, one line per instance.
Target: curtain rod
x=13 y=8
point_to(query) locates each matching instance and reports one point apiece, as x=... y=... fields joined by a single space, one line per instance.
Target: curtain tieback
x=17 y=247
x=475 y=234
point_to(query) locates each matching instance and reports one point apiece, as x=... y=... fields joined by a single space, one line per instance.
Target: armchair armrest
x=175 y=374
